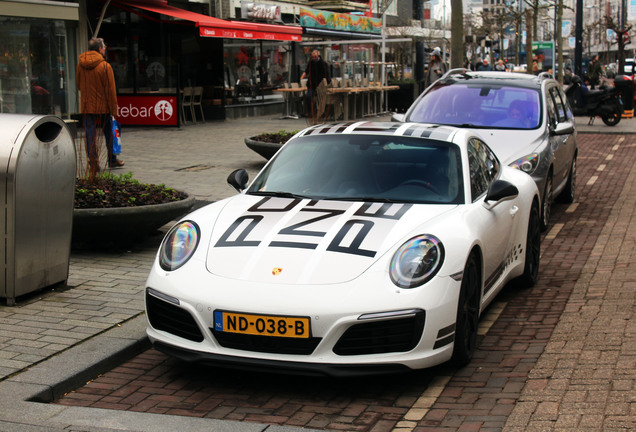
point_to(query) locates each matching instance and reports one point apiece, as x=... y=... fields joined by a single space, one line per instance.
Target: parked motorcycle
x=605 y=103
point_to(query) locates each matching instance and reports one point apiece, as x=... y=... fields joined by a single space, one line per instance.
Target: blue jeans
x=92 y=123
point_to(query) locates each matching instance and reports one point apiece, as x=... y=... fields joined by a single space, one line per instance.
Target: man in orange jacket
x=96 y=83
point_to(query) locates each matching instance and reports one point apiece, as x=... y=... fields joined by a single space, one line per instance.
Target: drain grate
x=196 y=168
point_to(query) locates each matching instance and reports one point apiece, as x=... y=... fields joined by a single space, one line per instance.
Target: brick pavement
x=105 y=288
x=560 y=356
x=542 y=367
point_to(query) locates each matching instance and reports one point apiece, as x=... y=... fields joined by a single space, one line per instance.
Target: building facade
x=38 y=57
x=239 y=51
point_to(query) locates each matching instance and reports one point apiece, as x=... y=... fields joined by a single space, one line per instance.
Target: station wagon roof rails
x=457 y=71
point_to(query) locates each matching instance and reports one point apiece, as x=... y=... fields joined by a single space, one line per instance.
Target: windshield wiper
x=279 y=194
x=366 y=199
x=473 y=126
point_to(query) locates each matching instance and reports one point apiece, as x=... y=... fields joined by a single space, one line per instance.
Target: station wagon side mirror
x=238 y=179
x=500 y=190
x=563 y=129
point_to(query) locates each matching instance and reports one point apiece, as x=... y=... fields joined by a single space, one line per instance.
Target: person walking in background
x=500 y=66
x=436 y=67
x=96 y=83
x=594 y=72
x=316 y=71
x=485 y=66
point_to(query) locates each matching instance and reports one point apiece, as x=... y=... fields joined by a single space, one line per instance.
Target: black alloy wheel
x=467 y=313
x=533 y=250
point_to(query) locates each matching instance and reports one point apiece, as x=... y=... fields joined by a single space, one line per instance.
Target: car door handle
x=513 y=211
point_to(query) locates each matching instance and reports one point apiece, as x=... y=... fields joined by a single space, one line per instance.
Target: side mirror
x=238 y=179
x=397 y=118
x=563 y=129
x=501 y=190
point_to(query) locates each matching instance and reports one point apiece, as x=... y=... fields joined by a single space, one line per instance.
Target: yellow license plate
x=262 y=325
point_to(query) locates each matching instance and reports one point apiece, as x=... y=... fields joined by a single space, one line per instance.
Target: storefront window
x=254 y=68
x=34 y=66
x=355 y=62
x=142 y=64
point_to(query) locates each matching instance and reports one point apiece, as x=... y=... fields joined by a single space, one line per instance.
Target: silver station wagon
x=525 y=119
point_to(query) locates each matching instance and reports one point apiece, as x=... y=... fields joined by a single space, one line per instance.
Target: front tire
x=546 y=208
x=467 y=313
x=567 y=196
x=533 y=250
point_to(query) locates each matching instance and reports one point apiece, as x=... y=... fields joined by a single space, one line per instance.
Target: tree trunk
x=457 y=34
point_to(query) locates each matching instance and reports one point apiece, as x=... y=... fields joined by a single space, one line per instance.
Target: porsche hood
x=293 y=241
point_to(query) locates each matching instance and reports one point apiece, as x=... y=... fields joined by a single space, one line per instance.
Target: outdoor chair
x=186 y=104
x=197 y=99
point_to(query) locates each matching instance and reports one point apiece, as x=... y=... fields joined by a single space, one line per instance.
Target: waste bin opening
x=48 y=132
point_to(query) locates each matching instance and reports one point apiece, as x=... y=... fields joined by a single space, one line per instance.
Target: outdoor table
x=346 y=93
x=287 y=95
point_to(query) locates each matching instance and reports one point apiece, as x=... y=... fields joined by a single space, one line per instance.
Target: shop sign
x=248 y=34
x=260 y=11
x=320 y=19
x=147 y=110
x=543 y=53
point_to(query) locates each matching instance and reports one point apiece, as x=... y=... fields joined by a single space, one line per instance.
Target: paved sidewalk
x=58 y=339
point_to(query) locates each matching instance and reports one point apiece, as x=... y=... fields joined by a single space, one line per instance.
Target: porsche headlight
x=179 y=245
x=417 y=261
x=527 y=163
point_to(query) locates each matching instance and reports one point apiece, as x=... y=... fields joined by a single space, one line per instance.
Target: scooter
x=605 y=103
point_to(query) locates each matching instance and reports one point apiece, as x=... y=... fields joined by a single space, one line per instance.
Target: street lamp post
x=578 y=47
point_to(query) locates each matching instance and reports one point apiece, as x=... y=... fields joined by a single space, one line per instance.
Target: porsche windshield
x=492 y=106
x=365 y=168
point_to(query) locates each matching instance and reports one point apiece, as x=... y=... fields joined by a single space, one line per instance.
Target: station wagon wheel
x=533 y=249
x=467 y=314
x=567 y=196
x=546 y=208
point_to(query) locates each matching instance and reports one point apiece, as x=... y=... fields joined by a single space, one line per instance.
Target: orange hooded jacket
x=96 y=82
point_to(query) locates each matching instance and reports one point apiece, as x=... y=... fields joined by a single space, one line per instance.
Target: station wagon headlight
x=527 y=163
x=179 y=245
x=417 y=261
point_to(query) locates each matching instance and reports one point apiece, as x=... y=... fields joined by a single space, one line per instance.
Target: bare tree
x=620 y=39
x=517 y=16
x=495 y=23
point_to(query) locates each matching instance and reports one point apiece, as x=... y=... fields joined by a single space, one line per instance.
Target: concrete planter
x=265 y=149
x=122 y=224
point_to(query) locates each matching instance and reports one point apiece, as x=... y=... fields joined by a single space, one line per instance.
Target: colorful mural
x=339 y=21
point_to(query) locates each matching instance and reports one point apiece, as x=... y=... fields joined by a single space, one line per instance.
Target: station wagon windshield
x=480 y=106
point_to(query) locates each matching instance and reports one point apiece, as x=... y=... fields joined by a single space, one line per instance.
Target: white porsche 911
x=360 y=248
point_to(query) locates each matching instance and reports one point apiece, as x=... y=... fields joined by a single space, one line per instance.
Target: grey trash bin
x=37 y=185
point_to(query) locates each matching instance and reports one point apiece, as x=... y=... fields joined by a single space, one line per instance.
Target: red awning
x=214 y=27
